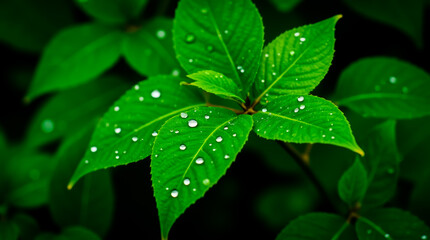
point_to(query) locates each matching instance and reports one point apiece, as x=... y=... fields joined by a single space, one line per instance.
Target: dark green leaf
x=285 y=5
x=191 y=153
x=296 y=61
x=304 y=119
x=28 y=226
x=112 y=11
x=315 y=226
x=216 y=83
x=74 y=109
x=128 y=129
x=149 y=49
x=71 y=233
x=28 y=25
x=8 y=231
x=385 y=88
x=75 y=56
x=392 y=224
x=220 y=35
x=90 y=202
x=406 y=16
x=353 y=184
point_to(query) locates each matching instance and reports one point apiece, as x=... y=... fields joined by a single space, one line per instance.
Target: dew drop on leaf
x=392 y=80
x=296 y=110
x=266 y=55
x=134 y=139
x=296 y=34
x=117 y=157
x=136 y=87
x=190 y=38
x=200 y=161
x=226 y=157
x=155 y=94
x=174 y=193
x=234 y=134
x=226 y=128
x=330 y=129
x=302 y=107
x=154 y=134
x=117 y=130
x=300 y=99
x=264 y=110
x=116 y=108
x=292 y=53
x=219 y=139
x=192 y=123
x=424 y=237
x=184 y=115
x=302 y=39
x=47 y=126
x=206 y=181
x=387 y=235
x=206 y=116
x=93 y=149
x=182 y=147
x=187 y=181
x=86 y=161
x=141 y=99
x=175 y=72
x=161 y=34
x=332 y=137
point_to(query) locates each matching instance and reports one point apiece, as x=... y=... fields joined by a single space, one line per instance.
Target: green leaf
x=353 y=184
x=112 y=11
x=296 y=61
x=28 y=226
x=314 y=226
x=220 y=35
x=391 y=223
x=71 y=233
x=382 y=164
x=216 y=83
x=8 y=231
x=127 y=131
x=304 y=119
x=71 y=110
x=90 y=203
x=285 y=5
x=75 y=56
x=149 y=49
x=406 y=16
x=385 y=87
x=191 y=153
x=29 y=28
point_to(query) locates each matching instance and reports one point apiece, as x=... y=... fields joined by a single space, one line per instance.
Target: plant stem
x=304 y=165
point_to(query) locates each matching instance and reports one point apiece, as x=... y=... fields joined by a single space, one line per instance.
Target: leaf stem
x=340 y=231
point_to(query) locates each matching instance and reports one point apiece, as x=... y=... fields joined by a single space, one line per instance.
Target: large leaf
x=74 y=56
x=304 y=119
x=321 y=226
x=353 y=184
x=112 y=11
x=296 y=61
x=191 y=153
x=149 y=49
x=216 y=83
x=385 y=88
x=127 y=131
x=382 y=164
x=71 y=233
x=407 y=16
x=74 y=109
x=220 y=35
x=90 y=203
x=392 y=224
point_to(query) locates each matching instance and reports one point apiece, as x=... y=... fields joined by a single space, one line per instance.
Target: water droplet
x=234 y=134
x=187 y=181
x=155 y=94
x=330 y=115
x=296 y=110
x=210 y=48
x=200 y=161
x=134 y=139
x=116 y=108
x=323 y=135
x=296 y=34
x=330 y=129
x=184 y=115
x=47 y=126
x=177 y=131
x=116 y=152
x=387 y=235
x=302 y=39
x=161 y=34
x=117 y=157
x=141 y=99
x=86 y=161
x=405 y=90
x=262 y=80
x=266 y=55
x=204 y=10
x=136 y=87
x=182 y=147
x=302 y=107
x=190 y=38
x=226 y=128
x=424 y=237
x=206 y=116
x=154 y=134
x=332 y=137
x=301 y=99
x=226 y=157
x=219 y=139
x=175 y=72
x=226 y=31
x=206 y=181
x=192 y=123
x=174 y=193
x=292 y=53
x=93 y=149
x=190 y=60
x=117 y=130
x=264 y=110
x=392 y=80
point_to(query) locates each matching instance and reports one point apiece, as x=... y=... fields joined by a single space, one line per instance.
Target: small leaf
x=149 y=50
x=285 y=5
x=8 y=231
x=71 y=110
x=216 y=83
x=391 y=223
x=296 y=61
x=127 y=131
x=353 y=184
x=304 y=119
x=28 y=226
x=191 y=153
x=75 y=56
x=220 y=35
x=112 y=11
x=314 y=226
x=385 y=87
x=406 y=16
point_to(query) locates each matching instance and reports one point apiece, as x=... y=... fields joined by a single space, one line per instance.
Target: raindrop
x=187 y=181
x=155 y=94
x=200 y=161
x=330 y=129
x=392 y=80
x=86 y=161
x=234 y=134
x=226 y=128
x=184 y=115
x=262 y=81
x=226 y=157
x=136 y=87
x=141 y=99
x=47 y=125
x=116 y=152
x=206 y=181
x=266 y=55
x=134 y=139
x=117 y=157
x=296 y=110
x=301 y=99
x=93 y=149
x=302 y=39
x=302 y=107
x=192 y=123
x=190 y=38
x=175 y=72
x=387 y=235
x=177 y=131
x=154 y=134
x=161 y=34
x=292 y=53
x=190 y=60
x=330 y=114
x=424 y=237
x=219 y=139
x=182 y=147
x=226 y=31
x=116 y=108
x=332 y=137
x=297 y=34
x=323 y=135
x=174 y=193
x=117 y=130
x=264 y=110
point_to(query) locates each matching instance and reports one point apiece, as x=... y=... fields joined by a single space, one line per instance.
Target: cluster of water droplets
x=392 y=80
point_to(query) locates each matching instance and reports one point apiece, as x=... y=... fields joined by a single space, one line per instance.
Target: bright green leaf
x=71 y=110
x=385 y=88
x=406 y=16
x=220 y=35
x=8 y=231
x=304 y=119
x=74 y=56
x=191 y=153
x=353 y=184
x=296 y=61
x=315 y=226
x=285 y=5
x=127 y=131
x=216 y=83
x=112 y=11
x=149 y=49
x=391 y=224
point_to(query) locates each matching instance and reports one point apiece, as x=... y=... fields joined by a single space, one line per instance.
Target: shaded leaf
x=112 y=11
x=296 y=61
x=127 y=131
x=28 y=226
x=149 y=49
x=74 y=56
x=353 y=184
x=285 y=5
x=220 y=35
x=216 y=83
x=191 y=153
x=385 y=88
x=304 y=119
x=71 y=233
x=8 y=231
